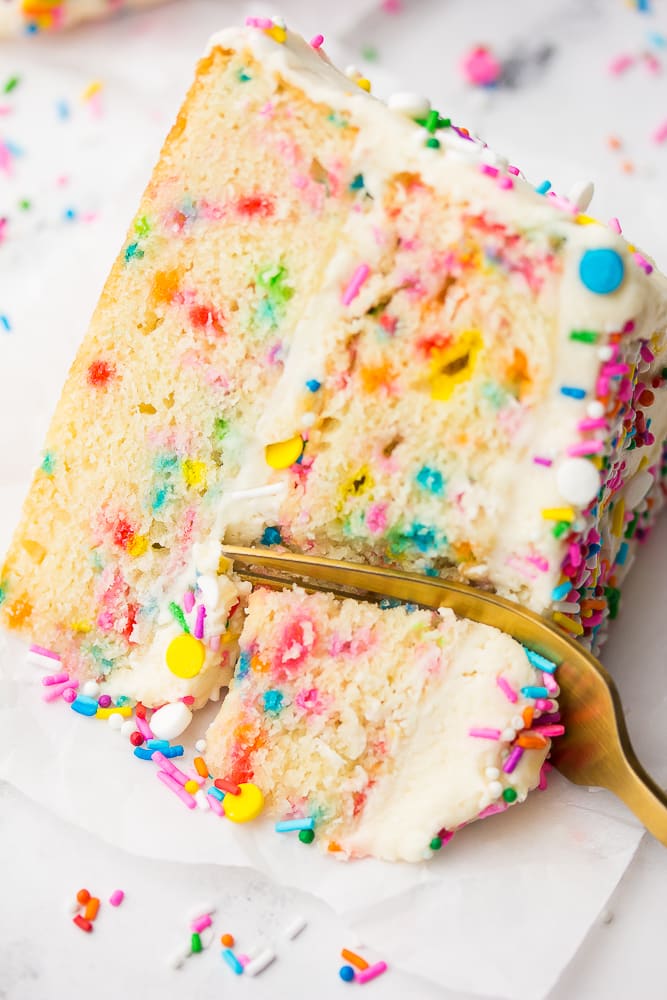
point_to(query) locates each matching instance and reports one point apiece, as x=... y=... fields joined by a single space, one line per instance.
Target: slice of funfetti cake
x=349 y=328
x=379 y=730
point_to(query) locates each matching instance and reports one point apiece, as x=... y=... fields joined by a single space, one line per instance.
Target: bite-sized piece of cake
x=34 y=16
x=390 y=727
x=357 y=334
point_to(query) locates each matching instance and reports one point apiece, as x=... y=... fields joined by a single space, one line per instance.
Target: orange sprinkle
x=356 y=960
x=82 y=896
x=531 y=741
x=614 y=142
x=333 y=847
x=92 y=906
x=227 y=940
x=527 y=715
x=594 y=603
x=628 y=167
x=200 y=766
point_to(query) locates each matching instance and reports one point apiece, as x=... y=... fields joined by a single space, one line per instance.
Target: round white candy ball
x=91 y=689
x=578 y=481
x=200 y=746
x=495 y=789
x=171 y=720
x=637 y=488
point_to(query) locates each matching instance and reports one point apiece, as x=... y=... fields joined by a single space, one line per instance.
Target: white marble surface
x=556 y=125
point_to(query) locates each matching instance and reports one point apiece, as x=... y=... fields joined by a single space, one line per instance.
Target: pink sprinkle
x=486 y=168
x=660 y=134
x=372 y=972
x=549 y=683
x=591 y=424
x=540 y=460
x=376 y=517
x=446 y=835
x=543 y=776
x=513 y=170
x=69 y=695
x=317 y=42
x=543 y=704
x=619 y=64
x=188 y=699
x=184 y=796
x=505 y=182
x=214 y=643
x=539 y=561
x=575 y=554
x=201 y=923
x=143 y=728
x=356 y=281
x=513 y=760
x=615 y=225
x=215 y=805
x=44 y=652
x=55 y=690
x=611 y=369
x=54 y=679
x=188 y=601
x=167 y=765
x=642 y=262
x=198 y=630
x=586 y=448
x=259 y=22
x=559 y=202
x=484 y=734
x=116 y=897
x=493 y=810
x=549 y=730
x=507 y=689
x=243 y=959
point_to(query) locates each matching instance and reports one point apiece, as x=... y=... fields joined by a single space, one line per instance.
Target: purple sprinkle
x=539 y=460
x=198 y=631
x=104 y=701
x=513 y=760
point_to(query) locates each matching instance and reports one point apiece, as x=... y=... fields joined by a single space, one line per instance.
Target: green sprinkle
x=3 y=591
x=243 y=75
x=142 y=226
x=220 y=429
x=25 y=204
x=195 y=944
x=432 y=120
x=177 y=612
x=585 y=336
x=509 y=795
x=11 y=84
x=306 y=836
x=444 y=123
x=560 y=528
x=435 y=844
x=369 y=53
x=432 y=143
x=48 y=463
x=357 y=182
x=613 y=596
x=133 y=250
x=632 y=527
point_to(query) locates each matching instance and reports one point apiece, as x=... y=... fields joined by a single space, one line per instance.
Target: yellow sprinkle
x=364 y=83
x=454 y=365
x=191 y=786
x=277 y=33
x=587 y=220
x=245 y=806
x=282 y=454
x=570 y=626
x=93 y=88
x=558 y=514
x=194 y=473
x=185 y=656
x=81 y=626
x=104 y=713
x=228 y=637
x=642 y=465
x=137 y=545
x=618 y=518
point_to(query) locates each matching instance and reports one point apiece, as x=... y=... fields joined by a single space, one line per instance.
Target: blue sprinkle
x=13 y=148
x=271 y=535
x=357 y=183
x=313 y=385
x=243 y=665
x=558 y=593
x=657 y=39
x=622 y=554
x=176 y=751
x=431 y=571
x=423 y=537
x=121 y=700
x=232 y=961
x=69 y=214
x=593 y=549
x=601 y=270
x=534 y=692
x=540 y=662
x=273 y=701
x=346 y=973
x=431 y=480
x=543 y=187
x=217 y=793
x=157 y=744
x=84 y=705
x=62 y=110
x=287 y=825
x=32 y=29
x=4 y=323
x=573 y=391
x=143 y=754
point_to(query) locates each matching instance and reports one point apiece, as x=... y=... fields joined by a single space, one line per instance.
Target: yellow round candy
x=191 y=786
x=247 y=805
x=185 y=655
x=282 y=454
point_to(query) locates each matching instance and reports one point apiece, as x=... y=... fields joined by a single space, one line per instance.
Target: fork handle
x=640 y=793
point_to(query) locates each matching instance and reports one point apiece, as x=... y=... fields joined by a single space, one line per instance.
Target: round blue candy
x=601 y=270
x=346 y=973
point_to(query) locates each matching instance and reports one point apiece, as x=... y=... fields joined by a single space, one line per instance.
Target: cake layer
x=339 y=329
x=386 y=726
x=36 y=16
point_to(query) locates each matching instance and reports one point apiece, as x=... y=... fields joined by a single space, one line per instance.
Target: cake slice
x=382 y=728
x=35 y=16
x=349 y=329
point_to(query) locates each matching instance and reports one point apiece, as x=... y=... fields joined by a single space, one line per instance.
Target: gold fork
x=595 y=749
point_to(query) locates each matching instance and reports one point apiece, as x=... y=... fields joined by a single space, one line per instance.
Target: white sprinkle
x=605 y=353
x=177 y=958
x=91 y=689
x=207 y=936
x=308 y=419
x=209 y=588
x=202 y=800
x=637 y=488
x=495 y=789
x=126 y=726
x=566 y=607
x=171 y=720
x=493 y=159
x=294 y=928
x=200 y=746
x=351 y=72
x=517 y=722
x=595 y=409
x=38 y=660
x=492 y=773
x=408 y=103
x=72 y=906
x=198 y=911
x=260 y=963
x=279 y=21
x=509 y=735
x=271 y=489
x=581 y=195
